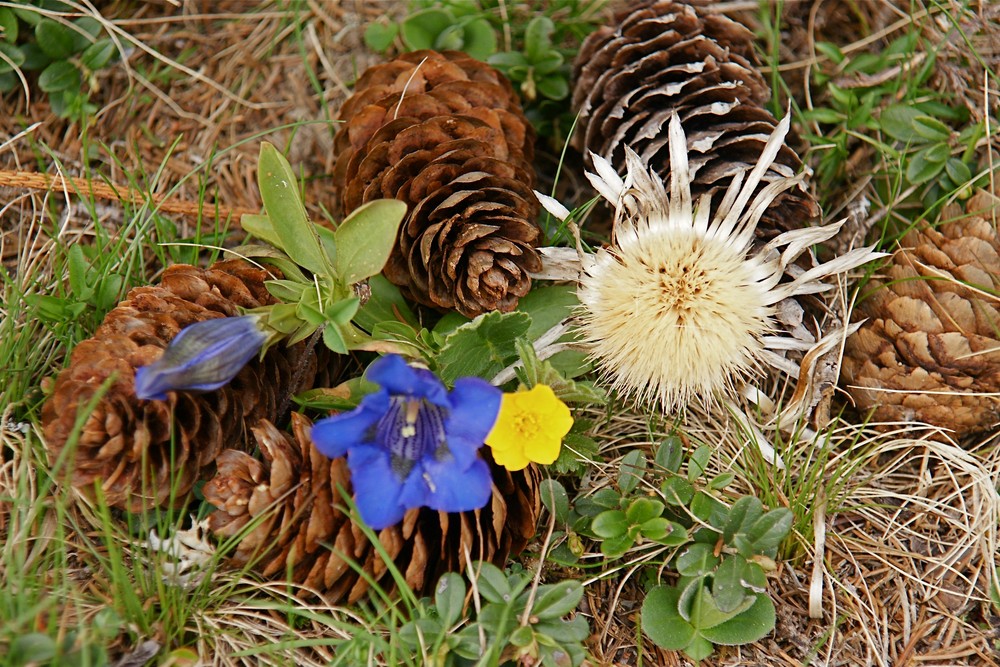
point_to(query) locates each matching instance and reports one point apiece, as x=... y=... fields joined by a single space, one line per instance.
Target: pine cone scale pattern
x=150 y=453
x=929 y=350
x=445 y=134
x=663 y=57
x=295 y=496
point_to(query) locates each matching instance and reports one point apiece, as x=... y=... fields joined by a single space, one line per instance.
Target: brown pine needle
x=87 y=187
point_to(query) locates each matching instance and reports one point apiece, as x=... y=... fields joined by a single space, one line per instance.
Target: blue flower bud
x=204 y=356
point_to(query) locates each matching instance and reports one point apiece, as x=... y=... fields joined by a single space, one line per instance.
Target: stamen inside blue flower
x=410 y=430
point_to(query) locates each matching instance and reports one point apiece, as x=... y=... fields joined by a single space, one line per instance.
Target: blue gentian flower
x=413 y=443
x=203 y=356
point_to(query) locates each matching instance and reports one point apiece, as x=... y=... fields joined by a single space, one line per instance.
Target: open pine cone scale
x=292 y=499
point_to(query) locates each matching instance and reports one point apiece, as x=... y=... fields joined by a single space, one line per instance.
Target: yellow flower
x=530 y=427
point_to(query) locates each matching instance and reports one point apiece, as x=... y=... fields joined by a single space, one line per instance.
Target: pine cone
x=132 y=446
x=291 y=496
x=445 y=134
x=662 y=57
x=930 y=348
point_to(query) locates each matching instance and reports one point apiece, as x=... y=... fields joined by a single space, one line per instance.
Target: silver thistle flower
x=681 y=306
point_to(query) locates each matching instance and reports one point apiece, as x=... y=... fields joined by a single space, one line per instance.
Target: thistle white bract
x=681 y=306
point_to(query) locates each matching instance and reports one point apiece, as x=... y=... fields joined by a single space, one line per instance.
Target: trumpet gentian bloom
x=202 y=357
x=413 y=443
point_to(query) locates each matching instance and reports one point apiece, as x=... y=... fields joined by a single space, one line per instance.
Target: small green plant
x=531 y=43
x=720 y=554
x=39 y=37
x=928 y=146
x=516 y=623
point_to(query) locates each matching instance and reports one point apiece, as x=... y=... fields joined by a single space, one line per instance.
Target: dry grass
x=911 y=545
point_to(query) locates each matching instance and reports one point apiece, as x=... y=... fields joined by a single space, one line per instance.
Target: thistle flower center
x=674 y=313
x=411 y=430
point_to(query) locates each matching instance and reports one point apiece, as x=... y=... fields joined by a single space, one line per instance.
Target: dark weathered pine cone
x=930 y=348
x=660 y=57
x=299 y=534
x=149 y=453
x=445 y=133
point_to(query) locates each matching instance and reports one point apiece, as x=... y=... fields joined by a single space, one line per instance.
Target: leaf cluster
x=514 y=624
x=719 y=554
x=532 y=43
x=74 y=649
x=928 y=145
x=65 y=53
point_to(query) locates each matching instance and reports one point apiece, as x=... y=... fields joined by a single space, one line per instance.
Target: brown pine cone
x=291 y=498
x=131 y=446
x=930 y=348
x=445 y=134
x=661 y=57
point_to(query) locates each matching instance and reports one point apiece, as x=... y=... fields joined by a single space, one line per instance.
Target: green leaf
x=492 y=584
x=522 y=636
x=831 y=51
x=662 y=622
x=479 y=39
x=769 y=530
x=508 y=59
x=958 y=171
x=710 y=510
x=898 y=121
x=697 y=560
x=742 y=515
x=379 y=36
x=534 y=372
x=280 y=192
x=721 y=481
x=548 y=306
x=669 y=454
x=555 y=499
x=931 y=129
x=10 y=53
x=334 y=340
x=449 y=598
x=33 y=647
x=556 y=600
x=616 y=547
x=78 y=266
x=261 y=227
x=98 y=54
x=366 y=238
x=59 y=76
x=727 y=584
x=386 y=304
x=554 y=87
x=749 y=626
x=610 y=523
x=34 y=58
x=642 y=510
x=698 y=462
x=420 y=30
x=538 y=37
x=927 y=163
x=288 y=291
x=824 y=115
x=677 y=491
x=55 y=39
x=342 y=311
x=705 y=612
x=482 y=347
x=631 y=471
x=8 y=25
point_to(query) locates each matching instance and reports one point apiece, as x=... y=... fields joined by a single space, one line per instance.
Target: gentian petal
x=397 y=377
x=335 y=435
x=202 y=357
x=454 y=489
x=377 y=490
x=475 y=404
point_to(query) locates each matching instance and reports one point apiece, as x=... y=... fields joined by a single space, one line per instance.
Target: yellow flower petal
x=530 y=427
